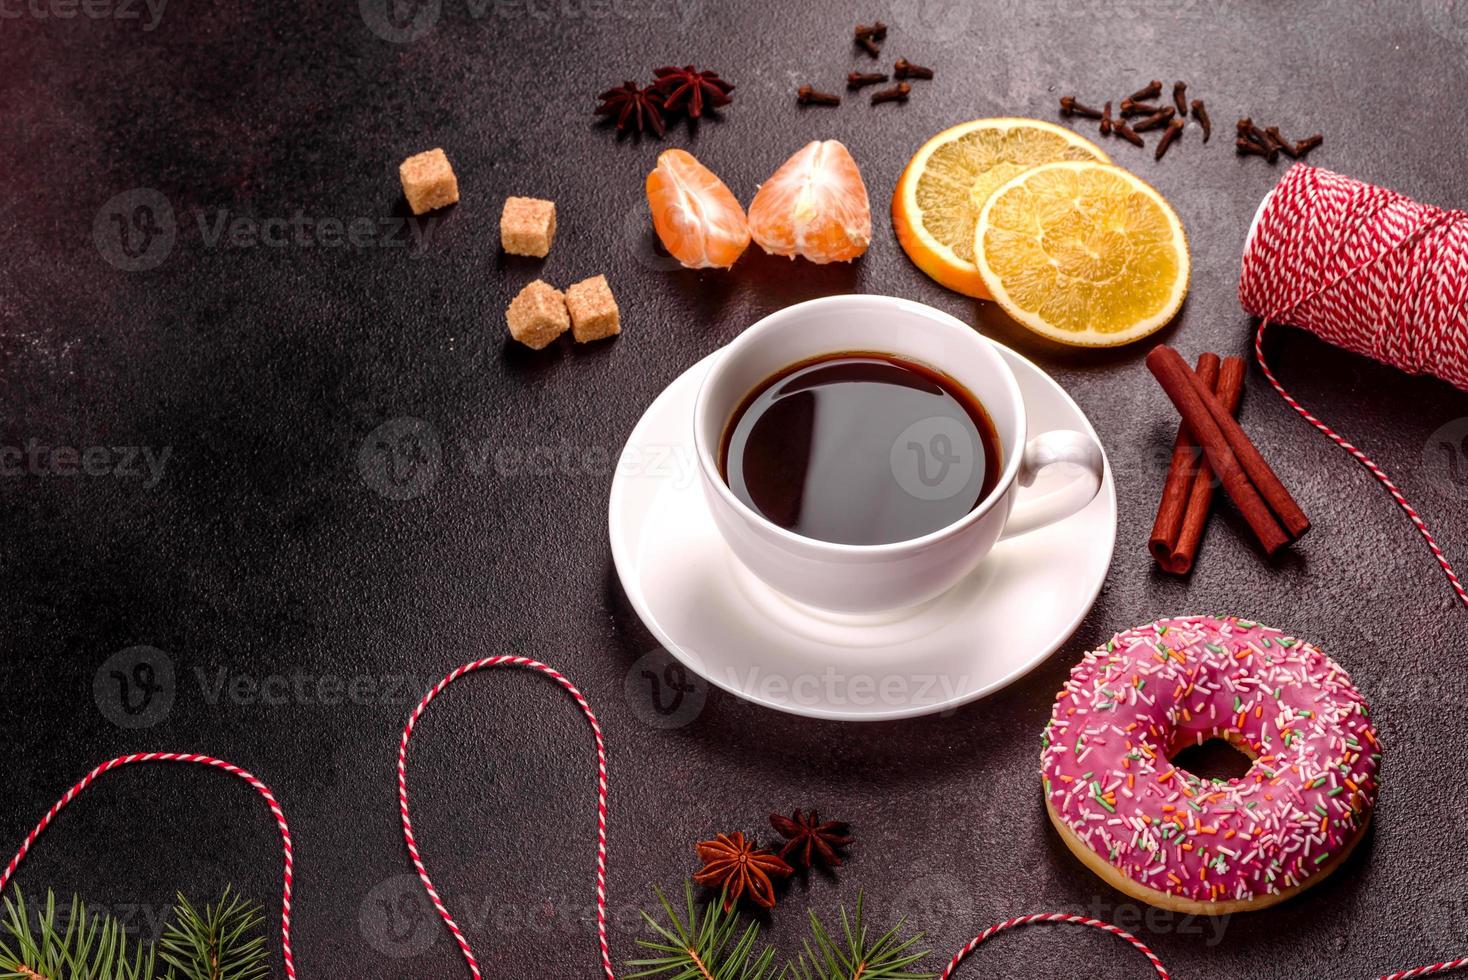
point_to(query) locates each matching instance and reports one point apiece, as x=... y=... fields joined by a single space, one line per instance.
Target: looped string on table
x=1080 y=920
x=601 y=828
x=601 y=802
x=1368 y=270
x=203 y=760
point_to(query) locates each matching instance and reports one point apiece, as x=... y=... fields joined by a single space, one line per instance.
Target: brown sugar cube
x=593 y=309
x=428 y=181
x=528 y=226
x=538 y=315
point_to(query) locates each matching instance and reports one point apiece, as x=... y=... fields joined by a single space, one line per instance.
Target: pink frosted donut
x=1173 y=839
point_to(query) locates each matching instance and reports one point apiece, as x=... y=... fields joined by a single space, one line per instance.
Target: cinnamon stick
x=1230 y=390
x=1195 y=404
x=1176 y=489
x=1258 y=470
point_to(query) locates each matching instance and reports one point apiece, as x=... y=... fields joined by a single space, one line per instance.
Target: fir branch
x=858 y=957
x=220 y=943
x=701 y=945
x=86 y=947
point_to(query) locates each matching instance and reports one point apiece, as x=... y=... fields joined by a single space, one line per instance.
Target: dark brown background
x=267 y=550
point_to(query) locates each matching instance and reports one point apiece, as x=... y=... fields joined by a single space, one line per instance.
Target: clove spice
x=1180 y=98
x=897 y=93
x=1136 y=107
x=806 y=95
x=1070 y=107
x=906 y=69
x=1106 y=119
x=1247 y=147
x=860 y=79
x=1250 y=133
x=1120 y=128
x=1147 y=92
x=1174 y=130
x=1159 y=118
x=1200 y=113
x=867 y=36
x=1307 y=144
x=1271 y=133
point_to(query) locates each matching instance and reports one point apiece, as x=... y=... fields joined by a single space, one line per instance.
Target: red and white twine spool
x=203 y=760
x=1368 y=270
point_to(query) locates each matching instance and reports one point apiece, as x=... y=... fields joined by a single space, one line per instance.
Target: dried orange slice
x=1083 y=253
x=945 y=185
x=697 y=218
x=814 y=206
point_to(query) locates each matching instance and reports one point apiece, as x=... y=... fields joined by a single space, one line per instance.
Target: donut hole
x=1222 y=755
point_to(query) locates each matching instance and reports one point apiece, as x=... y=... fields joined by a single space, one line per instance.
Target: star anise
x=633 y=106
x=734 y=864
x=687 y=88
x=806 y=838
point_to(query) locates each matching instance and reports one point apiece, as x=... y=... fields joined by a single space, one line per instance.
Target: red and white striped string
x=601 y=846
x=1368 y=270
x=601 y=834
x=1054 y=917
x=601 y=802
x=203 y=760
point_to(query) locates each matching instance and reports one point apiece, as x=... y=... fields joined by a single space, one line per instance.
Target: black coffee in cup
x=861 y=448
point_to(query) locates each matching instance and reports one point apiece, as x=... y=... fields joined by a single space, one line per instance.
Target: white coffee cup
x=850 y=578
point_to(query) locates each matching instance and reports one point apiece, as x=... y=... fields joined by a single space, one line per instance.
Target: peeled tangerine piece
x=814 y=206
x=698 y=219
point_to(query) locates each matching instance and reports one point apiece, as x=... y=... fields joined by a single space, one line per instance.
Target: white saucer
x=727 y=626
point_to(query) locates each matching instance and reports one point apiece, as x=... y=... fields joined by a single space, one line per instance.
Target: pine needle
x=701 y=945
x=85 y=947
x=854 y=956
x=220 y=943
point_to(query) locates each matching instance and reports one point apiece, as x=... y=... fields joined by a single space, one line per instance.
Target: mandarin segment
x=697 y=218
x=815 y=206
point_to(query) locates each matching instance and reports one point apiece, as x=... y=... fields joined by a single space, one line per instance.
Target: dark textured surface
x=263 y=553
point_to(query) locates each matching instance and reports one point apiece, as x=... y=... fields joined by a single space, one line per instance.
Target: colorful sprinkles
x=1129 y=706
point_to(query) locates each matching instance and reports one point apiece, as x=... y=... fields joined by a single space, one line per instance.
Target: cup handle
x=1060 y=446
